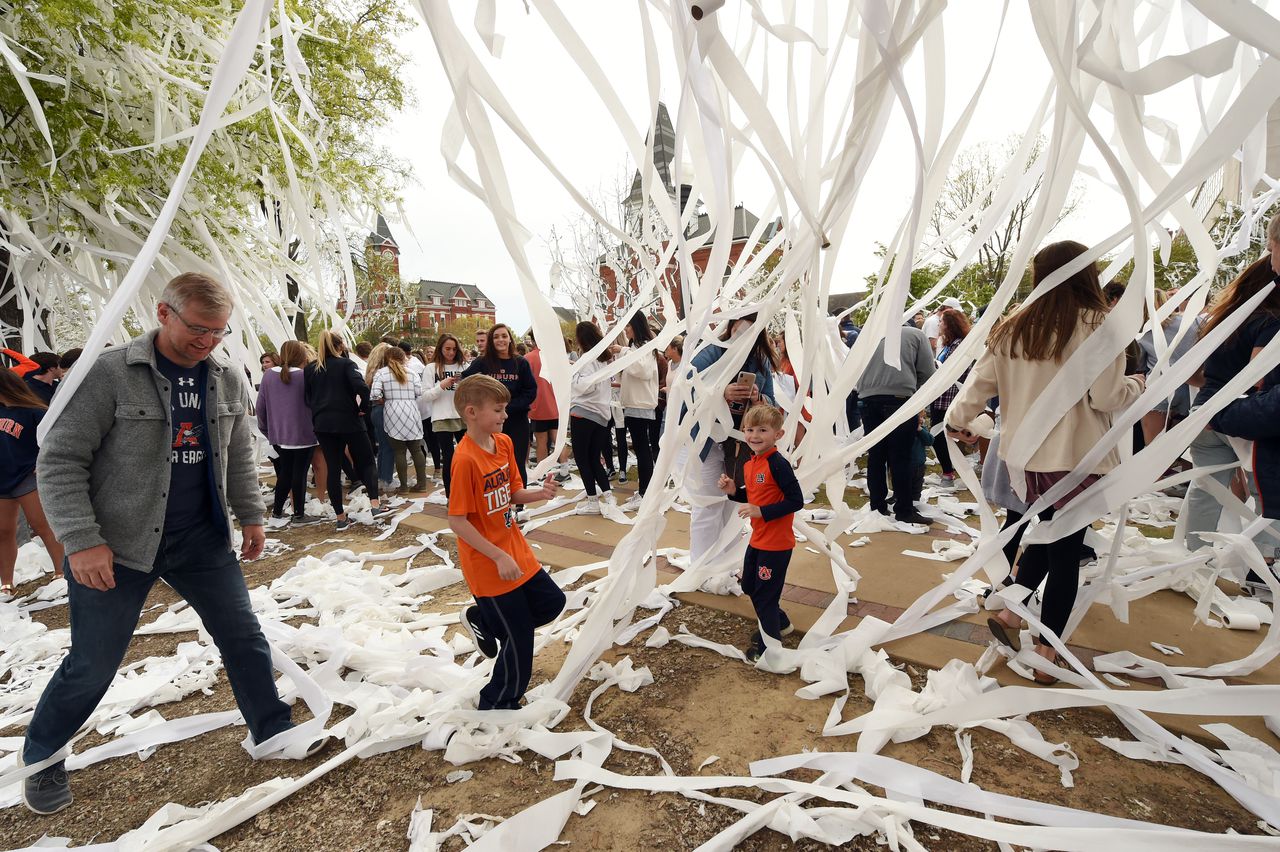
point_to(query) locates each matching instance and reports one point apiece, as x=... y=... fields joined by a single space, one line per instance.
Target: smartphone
x=745 y=379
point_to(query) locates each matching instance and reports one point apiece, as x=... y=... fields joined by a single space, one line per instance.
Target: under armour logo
x=186 y=383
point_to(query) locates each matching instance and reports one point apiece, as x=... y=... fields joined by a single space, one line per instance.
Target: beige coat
x=1018 y=382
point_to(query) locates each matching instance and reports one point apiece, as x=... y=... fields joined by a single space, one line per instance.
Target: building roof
x=381 y=235
x=565 y=314
x=664 y=153
x=744 y=222
x=446 y=289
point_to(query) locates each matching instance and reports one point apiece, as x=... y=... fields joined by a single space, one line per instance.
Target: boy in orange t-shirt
x=773 y=496
x=513 y=594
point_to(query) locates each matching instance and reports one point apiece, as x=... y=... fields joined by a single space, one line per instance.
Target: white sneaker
x=589 y=506
x=633 y=504
x=607 y=497
x=438 y=498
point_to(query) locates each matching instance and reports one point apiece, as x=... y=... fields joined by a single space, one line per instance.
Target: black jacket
x=1257 y=418
x=516 y=375
x=336 y=395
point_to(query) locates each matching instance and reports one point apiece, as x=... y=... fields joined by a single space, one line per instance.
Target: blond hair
x=377 y=360
x=477 y=390
x=762 y=414
x=396 y=361
x=331 y=346
x=196 y=287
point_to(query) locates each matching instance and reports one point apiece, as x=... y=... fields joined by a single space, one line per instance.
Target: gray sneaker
x=48 y=791
x=342 y=523
x=305 y=520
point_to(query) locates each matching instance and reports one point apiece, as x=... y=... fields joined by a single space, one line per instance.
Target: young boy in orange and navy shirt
x=773 y=496
x=513 y=594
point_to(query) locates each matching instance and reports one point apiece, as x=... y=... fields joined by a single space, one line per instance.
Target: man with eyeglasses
x=140 y=477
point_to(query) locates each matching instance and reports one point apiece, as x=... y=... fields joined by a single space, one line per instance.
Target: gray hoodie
x=879 y=379
x=104 y=466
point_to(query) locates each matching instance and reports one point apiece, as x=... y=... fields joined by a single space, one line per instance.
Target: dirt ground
x=701 y=704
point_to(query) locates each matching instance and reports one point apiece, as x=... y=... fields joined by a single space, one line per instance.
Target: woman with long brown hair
x=436 y=403
x=953 y=328
x=500 y=361
x=285 y=420
x=1210 y=448
x=1024 y=355
x=589 y=419
x=20 y=413
x=339 y=401
x=708 y=460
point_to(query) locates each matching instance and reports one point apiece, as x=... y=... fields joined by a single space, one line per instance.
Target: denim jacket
x=764 y=381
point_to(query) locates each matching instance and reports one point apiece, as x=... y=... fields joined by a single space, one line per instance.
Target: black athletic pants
x=940 y=446
x=1060 y=562
x=517 y=429
x=433 y=443
x=334 y=446
x=511 y=619
x=620 y=440
x=291 y=478
x=644 y=435
x=764 y=573
x=446 y=442
x=590 y=449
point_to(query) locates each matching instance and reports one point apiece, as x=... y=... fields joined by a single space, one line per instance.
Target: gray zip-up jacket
x=104 y=466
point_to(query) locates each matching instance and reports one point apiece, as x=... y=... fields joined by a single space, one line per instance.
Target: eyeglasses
x=199 y=330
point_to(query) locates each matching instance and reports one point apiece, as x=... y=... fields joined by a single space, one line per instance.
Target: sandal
x=1046 y=679
x=6 y=590
x=1007 y=636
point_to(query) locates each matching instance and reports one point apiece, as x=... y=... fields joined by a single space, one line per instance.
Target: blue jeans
x=1209 y=449
x=386 y=459
x=199 y=564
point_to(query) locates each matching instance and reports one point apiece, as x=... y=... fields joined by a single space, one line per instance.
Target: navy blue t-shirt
x=44 y=390
x=18 y=448
x=190 y=478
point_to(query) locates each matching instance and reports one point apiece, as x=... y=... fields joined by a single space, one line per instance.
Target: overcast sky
x=450 y=235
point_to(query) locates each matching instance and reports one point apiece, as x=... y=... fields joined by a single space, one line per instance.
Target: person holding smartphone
x=710 y=463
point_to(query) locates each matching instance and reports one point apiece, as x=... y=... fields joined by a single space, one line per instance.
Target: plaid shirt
x=401 y=419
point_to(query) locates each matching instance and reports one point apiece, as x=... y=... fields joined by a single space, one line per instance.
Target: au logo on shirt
x=760 y=478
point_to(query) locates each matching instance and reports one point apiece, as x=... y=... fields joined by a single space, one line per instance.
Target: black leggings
x=590 y=449
x=621 y=434
x=1010 y=548
x=334 y=446
x=445 y=441
x=1060 y=561
x=291 y=478
x=517 y=429
x=940 y=450
x=433 y=443
x=644 y=435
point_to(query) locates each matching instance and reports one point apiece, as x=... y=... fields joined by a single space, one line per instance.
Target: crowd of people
x=154 y=456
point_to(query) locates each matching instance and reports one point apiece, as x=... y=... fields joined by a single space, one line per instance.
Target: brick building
x=618 y=295
x=435 y=304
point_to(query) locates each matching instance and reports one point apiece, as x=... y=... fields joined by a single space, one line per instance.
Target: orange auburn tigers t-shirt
x=481 y=487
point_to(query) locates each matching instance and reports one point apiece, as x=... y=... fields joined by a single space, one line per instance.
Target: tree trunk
x=299 y=315
x=10 y=311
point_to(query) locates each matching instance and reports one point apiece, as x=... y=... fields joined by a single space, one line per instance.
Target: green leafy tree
x=96 y=126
